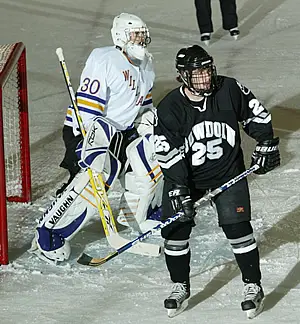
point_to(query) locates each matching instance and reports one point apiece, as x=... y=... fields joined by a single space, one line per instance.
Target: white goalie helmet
x=131 y=34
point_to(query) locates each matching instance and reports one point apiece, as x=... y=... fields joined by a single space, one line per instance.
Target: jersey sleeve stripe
x=69 y=119
x=89 y=104
x=90 y=111
x=91 y=97
x=170 y=163
x=258 y=120
x=68 y=122
x=147 y=102
x=169 y=156
x=69 y=111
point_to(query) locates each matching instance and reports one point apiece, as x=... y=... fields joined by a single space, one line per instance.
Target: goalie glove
x=266 y=155
x=181 y=202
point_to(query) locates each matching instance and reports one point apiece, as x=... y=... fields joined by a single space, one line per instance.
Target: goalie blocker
x=76 y=206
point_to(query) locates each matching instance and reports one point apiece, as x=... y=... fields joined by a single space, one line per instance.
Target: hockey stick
x=103 y=206
x=85 y=259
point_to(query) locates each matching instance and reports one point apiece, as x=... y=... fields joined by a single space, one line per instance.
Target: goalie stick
x=85 y=259
x=103 y=206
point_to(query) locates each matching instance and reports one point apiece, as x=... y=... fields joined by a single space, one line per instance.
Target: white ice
x=131 y=288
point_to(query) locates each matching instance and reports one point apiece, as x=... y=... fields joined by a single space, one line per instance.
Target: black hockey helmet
x=189 y=59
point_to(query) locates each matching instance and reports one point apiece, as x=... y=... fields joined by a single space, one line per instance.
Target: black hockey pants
x=204 y=13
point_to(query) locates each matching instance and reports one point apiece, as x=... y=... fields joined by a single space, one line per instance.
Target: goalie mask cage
x=15 y=183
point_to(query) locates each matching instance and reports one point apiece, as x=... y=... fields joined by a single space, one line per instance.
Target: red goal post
x=15 y=178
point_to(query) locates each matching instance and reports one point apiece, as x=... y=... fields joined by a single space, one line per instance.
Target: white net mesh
x=5 y=51
x=11 y=125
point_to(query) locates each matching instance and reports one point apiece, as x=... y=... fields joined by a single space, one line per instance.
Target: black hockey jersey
x=201 y=141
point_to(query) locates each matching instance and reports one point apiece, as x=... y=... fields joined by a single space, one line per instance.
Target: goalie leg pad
x=111 y=170
x=94 y=151
x=66 y=216
x=140 y=205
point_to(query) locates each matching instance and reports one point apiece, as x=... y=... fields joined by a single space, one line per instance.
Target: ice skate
x=35 y=250
x=177 y=301
x=234 y=32
x=205 y=38
x=253 y=300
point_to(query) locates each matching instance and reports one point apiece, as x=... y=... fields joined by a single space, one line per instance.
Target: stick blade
x=84 y=259
x=87 y=260
x=116 y=241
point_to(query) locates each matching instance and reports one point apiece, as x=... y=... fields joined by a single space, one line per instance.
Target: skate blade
x=251 y=313
x=172 y=312
x=235 y=37
x=206 y=42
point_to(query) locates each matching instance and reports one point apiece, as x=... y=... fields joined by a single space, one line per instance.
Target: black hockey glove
x=181 y=201
x=266 y=155
x=70 y=161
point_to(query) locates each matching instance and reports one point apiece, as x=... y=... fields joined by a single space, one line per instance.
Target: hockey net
x=15 y=183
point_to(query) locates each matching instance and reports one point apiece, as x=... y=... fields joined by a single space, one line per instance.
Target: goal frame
x=16 y=59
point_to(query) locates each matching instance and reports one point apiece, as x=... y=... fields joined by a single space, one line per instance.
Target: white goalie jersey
x=103 y=89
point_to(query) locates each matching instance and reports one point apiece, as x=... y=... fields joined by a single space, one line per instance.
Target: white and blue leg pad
x=66 y=215
x=140 y=205
x=94 y=151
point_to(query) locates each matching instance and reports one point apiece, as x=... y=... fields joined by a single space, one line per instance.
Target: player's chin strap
x=97 y=183
x=90 y=261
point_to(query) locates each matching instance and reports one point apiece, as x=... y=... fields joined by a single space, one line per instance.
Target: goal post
x=15 y=178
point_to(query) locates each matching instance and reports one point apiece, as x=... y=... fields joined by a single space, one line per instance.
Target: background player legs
x=203 y=13
x=229 y=15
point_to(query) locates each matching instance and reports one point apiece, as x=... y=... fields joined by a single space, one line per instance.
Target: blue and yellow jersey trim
x=89 y=105
x=148 y=99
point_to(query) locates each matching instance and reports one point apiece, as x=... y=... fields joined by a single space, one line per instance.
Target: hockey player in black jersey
x=198 y=146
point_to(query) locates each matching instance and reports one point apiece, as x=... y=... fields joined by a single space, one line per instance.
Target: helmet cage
x=197 y=83
x=138 y=36
x=196 y=58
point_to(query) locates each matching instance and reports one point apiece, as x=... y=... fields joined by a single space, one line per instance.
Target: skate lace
x=178 y=292
x=251 y=291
